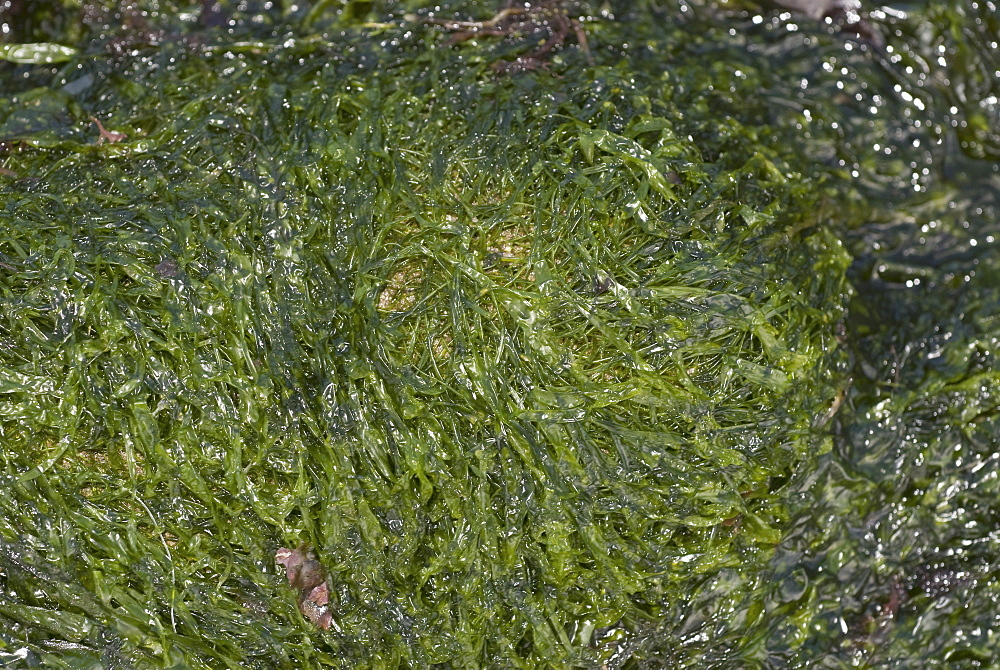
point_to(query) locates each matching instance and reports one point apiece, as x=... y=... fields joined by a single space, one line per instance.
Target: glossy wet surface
x=682 y=359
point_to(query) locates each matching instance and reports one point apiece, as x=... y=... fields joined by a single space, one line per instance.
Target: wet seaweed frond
x=530 y=364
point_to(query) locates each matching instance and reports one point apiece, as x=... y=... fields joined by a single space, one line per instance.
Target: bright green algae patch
x=525 y=358
x=511 y=380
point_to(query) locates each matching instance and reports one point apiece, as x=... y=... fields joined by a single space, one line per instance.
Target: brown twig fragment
x=111 y=137
x=522 y=20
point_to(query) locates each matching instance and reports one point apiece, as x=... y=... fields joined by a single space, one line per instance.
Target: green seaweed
x=543 y=365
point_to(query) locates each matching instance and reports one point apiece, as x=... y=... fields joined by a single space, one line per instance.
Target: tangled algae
x=526 y=359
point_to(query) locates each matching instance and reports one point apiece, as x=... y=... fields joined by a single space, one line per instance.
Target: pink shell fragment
x=292 y=559
x=308 y=576
x=319 y=595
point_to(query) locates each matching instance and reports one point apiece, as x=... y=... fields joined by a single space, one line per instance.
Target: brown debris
x=308 y=576
x=111 y=137
x=518 y=19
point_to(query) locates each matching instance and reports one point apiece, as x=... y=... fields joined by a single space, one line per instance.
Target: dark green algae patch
x=545 y=367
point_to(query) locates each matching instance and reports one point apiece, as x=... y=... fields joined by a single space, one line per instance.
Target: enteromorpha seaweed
x=525 y=358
